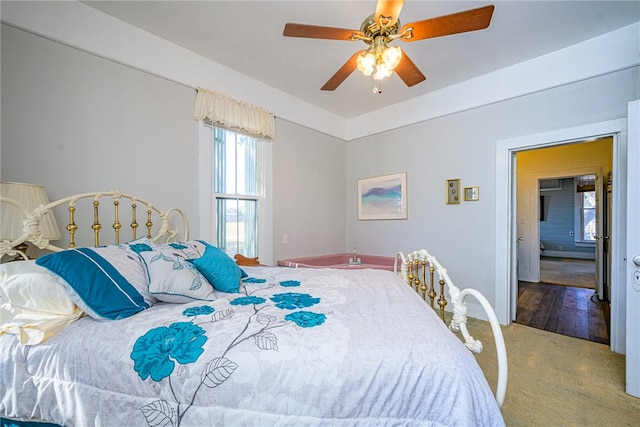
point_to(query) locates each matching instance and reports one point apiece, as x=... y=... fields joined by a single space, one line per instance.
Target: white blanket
x=299 y=347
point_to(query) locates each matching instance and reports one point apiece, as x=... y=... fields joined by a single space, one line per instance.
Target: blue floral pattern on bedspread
x=156 y=353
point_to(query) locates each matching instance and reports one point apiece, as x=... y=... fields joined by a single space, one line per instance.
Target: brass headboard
x=141 y=219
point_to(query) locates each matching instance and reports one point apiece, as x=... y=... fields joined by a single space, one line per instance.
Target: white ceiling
x=246 y=36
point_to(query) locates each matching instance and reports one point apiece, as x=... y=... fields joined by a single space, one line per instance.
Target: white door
x=633 y=250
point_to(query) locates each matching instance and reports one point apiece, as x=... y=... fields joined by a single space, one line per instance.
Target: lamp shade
x=11 y=217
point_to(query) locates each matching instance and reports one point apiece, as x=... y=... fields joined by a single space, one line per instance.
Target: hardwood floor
x=563 y=309
x=579 y=273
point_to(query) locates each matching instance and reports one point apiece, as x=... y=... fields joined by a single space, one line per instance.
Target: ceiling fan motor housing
x=372 y=29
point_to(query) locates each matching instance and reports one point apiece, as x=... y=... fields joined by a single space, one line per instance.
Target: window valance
x=236 y=115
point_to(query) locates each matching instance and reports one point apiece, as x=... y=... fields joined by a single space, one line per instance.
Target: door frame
x=506 y=283
x=532 y=262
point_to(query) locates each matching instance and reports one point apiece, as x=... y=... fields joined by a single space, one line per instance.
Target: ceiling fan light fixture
x=381 y=62
x=366 y=63
x=383 y=27
x=392 y=56
x=382 y=72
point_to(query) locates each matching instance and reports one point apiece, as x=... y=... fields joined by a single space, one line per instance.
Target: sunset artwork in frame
x=383 y=197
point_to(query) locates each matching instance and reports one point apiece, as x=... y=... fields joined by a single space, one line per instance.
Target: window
x=585 y=210
x=588 y=216
x=238 y=191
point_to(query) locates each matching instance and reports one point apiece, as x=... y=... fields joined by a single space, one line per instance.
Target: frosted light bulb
x=366 y=63
x=392 y=56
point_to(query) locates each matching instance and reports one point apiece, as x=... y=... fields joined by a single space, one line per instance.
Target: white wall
x=83 y=27
x=463 y=145
x=75 y=122
x=308 y=192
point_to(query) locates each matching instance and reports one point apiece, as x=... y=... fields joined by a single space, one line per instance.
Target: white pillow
x=27 y=285
x=173 y=279
x=33 y=327
x=34 y=304
x=18 y=267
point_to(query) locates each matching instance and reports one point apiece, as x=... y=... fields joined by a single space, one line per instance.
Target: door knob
x=636 y=260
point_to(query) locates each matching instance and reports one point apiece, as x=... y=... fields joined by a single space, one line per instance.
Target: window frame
x=582 y=215
x=207 y=197
x=579 y=221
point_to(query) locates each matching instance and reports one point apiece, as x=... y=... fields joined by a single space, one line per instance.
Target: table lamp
x=12 y=218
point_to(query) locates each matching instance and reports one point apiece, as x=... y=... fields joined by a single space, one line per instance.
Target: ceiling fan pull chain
x=377 y=86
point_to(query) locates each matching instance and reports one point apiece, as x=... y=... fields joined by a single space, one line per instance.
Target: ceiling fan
x=379 y=29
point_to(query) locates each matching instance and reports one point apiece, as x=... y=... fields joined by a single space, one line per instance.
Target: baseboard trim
x=566 y=254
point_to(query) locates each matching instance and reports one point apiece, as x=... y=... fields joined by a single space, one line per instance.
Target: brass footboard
x=413 y=268
x=416 y=276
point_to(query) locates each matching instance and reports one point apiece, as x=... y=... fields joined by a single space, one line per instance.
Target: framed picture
x=383 y=197
x=453 y=191
x=471 y=193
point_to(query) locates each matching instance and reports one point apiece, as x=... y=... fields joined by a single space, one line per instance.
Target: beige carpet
x=580 y=273
x=555 y=380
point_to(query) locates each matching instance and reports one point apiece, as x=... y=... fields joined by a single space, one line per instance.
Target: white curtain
x=235 y=115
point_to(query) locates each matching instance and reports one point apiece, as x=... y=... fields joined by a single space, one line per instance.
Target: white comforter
x=299 y=347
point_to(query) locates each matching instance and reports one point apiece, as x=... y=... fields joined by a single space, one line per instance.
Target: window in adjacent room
x=237 y=191
x=588 y=216
x=586 y=197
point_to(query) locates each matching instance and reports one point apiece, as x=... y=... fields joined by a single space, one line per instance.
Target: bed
x=198 y=340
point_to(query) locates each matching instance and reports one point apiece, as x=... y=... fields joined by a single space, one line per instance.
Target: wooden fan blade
x=388 y=9
x=344 y=72
x=461 y=22
x=408 y=72
x=317 y=32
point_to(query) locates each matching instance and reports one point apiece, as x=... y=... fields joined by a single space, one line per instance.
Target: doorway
x=509 y=218
x=561 y=277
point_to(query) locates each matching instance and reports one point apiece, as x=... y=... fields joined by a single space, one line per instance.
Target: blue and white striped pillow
x=107 y=283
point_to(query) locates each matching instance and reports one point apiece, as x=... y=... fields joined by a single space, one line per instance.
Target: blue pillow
x=107 y=283
x=219 y=269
